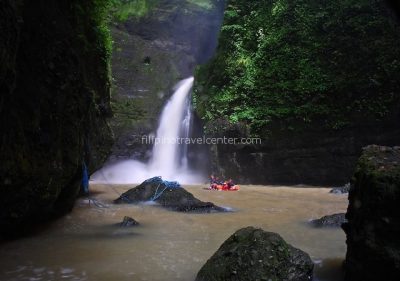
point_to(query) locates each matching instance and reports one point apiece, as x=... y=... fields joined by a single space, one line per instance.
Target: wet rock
x=335 y=220
x=177 y=199
x=254 y=254
x=54 y=106
x=128 y=222
x=341 y=189
x=373 y=227
x=162 y=50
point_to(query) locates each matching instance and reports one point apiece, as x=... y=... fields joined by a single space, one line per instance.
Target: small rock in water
x=335 y=220
x=128 y=221
x=341 y=189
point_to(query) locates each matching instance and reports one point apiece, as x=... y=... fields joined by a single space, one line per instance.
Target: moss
x=59 y=108
x=94 y=33
x=379 y=162
x=284 y=65
x=253 y=254
x=122 y=10
x=373 y=216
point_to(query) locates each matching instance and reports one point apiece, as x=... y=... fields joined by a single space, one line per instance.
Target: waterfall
x=175 y=118
x=169 y=157
x=186 y=125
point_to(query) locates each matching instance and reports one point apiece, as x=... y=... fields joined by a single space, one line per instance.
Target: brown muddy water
x=171 y=246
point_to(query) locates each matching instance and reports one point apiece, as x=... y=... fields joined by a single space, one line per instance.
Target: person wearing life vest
x=213 y=182
x=230 y=184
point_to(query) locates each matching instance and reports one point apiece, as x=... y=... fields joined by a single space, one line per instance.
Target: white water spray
x=186 y=124
x=169 y=157
x=165 y=158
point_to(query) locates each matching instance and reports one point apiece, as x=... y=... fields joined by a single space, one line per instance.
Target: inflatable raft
x=223 y=187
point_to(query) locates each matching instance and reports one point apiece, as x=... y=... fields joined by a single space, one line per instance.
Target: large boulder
x=373 y=228
x=168 y=196
x=254 y=254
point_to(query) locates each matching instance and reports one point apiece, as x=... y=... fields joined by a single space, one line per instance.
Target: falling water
x=169 y=155
x=186 y=124
x=165 y=159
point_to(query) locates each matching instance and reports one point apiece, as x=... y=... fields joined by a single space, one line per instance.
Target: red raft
x=224 y=187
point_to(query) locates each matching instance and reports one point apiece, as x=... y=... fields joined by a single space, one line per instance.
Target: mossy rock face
x=55 y=93
x=151 y=54
x=254 y=254
x=373 y=228
x=288 y=73
x=177 y=199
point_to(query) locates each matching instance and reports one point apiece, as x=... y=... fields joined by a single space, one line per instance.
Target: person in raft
x=213 y=182
x=230 y=184
x=216 y=184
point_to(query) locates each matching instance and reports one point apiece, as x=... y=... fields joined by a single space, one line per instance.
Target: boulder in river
x=335 y=220
x=254 y=254
x=373 y=227
x=169 y=196
x=341 y=189
x=128 y=222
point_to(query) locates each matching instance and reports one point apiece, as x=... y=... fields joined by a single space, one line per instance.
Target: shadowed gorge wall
x=373 y=227
x=315 y=80
x=55 y=92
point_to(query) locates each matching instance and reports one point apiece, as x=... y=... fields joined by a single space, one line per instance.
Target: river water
x=167 y=246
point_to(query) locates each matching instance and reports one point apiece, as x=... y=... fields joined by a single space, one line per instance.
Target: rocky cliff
x=55 y=91
x=315 y=81
x=320 y=157
x=152 y=52
x=373 y=228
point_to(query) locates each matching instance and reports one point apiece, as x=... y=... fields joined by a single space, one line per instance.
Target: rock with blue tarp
x=169 y=194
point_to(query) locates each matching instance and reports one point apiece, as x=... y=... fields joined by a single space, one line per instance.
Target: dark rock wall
x=54 y=82
x=373 y=228
x=313 y=157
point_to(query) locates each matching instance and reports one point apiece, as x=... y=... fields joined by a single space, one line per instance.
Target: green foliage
x=93 y=18
x=122 y=10
x=285 y=64
x=100 y=19
x=93 y=27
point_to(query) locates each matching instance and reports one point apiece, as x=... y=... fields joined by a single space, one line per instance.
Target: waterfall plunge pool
x=167 y=245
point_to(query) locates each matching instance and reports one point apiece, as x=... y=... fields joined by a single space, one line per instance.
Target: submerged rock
x=335 y=220
x=373 y=228
x=341 y=189
x=175 y=198
x=128 y=222
x=254 y=254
